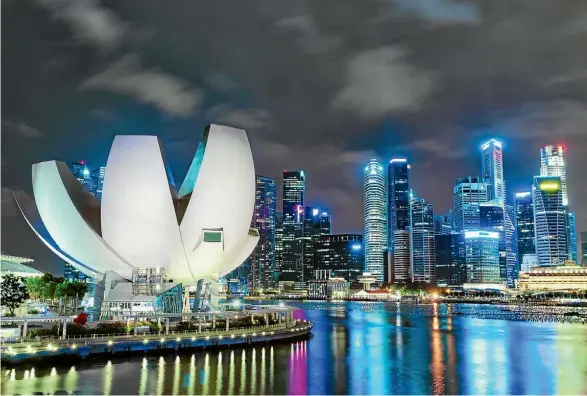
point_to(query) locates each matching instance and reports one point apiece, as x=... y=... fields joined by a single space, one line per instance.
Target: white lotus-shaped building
x=199 y=232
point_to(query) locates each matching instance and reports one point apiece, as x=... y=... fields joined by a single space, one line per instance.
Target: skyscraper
x=82 y=174
x=524 y=208
x=572 y=236
x=278 y=246
x=316 y=224
x=492 y=218
x=398 y=197
x=401 y=257
x=263 y=264
x=450 y=259
x=511 y=246
x=482 y=256
x=584 y=248
x=340 y=256
x=375 y=216
x=98 y=179
x=492 y=169
x=294 y=191
x=422 y=256
x=468 y=193
x=550 y=220
x=443 y=224
x=552 y=163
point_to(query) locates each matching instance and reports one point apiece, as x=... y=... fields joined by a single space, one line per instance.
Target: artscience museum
x=144 y=225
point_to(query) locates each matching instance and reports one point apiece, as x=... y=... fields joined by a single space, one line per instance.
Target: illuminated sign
x=522 y=194
x=315 y=212
x=482 y=234
x=550 y=186
x=356 y=246
x=397 y=160
x=496 y=143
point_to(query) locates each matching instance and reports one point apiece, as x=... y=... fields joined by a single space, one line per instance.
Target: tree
x=34 y=286
x=14 y=292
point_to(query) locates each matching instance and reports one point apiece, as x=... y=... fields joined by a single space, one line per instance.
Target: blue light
x=356 y=246
x=315 y=212
x=86 y=172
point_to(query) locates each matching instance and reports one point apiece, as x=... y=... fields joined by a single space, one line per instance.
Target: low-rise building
x=375 y=295
x=333 y=288
x=561 y=277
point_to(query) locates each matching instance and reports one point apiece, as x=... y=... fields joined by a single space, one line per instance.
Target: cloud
x=381 y=81
x=168 y=93
x=21 y=129
x=9 y=208
x=90 y=22
x=220 y=82
x=240 y=118
x=310 y=37
x=439 y=148
x=441 y=11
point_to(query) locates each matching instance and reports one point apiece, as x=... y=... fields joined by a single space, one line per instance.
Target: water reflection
x=357 y=348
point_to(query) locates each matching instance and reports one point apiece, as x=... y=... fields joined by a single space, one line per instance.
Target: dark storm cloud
x=320 y=85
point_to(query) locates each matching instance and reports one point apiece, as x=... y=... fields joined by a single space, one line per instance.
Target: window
x=212 y=236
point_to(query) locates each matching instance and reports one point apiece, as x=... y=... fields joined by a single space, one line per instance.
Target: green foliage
x=34 y=286
x=9 y=315
x=33 y=312
x=111 y=328
x=14 y=292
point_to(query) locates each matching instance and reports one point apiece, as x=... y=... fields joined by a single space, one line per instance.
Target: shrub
x=52 y=332
x=33 y=312
x=9 y=315
x=186 y=326
x=111 y=328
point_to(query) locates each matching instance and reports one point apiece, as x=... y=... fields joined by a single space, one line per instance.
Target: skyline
x=323 y=92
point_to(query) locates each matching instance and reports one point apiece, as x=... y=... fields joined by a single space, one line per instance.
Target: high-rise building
x=492 y=169
x=584 y=248
x=82 y=174
x=340 y=256
x=375 y=216
x=398 y=197
x=482 y=256
x=278 y=246
x=263 y=257
x=98 y=179
x=550 y=220
x=572 y=237
x=443 y=224
x=422 y=240
x=468 y=193
x=511 y=246
x=552 y=163
x=524 y=208
x=316 y=224
x=450 y=258
x=492 y=218
x=294 y=191
x=72 y=274
x=400 y=257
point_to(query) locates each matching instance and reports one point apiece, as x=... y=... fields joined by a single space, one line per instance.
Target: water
x=357 y=348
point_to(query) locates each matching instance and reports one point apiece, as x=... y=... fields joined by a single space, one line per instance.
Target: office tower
x=401 y=257
x=278 y=246
x=71 y=274
x=450 y=259
x=422 y=240
x=468 y=193
x=524 y=207
x=98 y=180
x=443 y=224
x=492 y=218
x=482 y=256
x=316 y=224
x=82 y=174
x=375 y=216
x=294 y=189
x=552 y=163
x=339 y=256
x=492 y=169
x=528 y=261
x=263 y=257
x=398 y=197
x=572 y=237
x=584 y=248
x=511 y=246
x=550 y=220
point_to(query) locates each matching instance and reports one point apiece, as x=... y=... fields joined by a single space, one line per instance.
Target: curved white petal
x=67 y=210
x=230 y=263
x=138 y=218
x=29 y=211
x=223 y=193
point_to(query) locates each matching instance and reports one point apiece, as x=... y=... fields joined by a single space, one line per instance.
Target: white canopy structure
x=201 y=232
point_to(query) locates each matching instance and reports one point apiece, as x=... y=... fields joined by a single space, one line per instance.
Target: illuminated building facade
x=375 y=216
x=450 y=259
x=561 y=277
x=482 y=256
x=468 y=194
x=572 y=237
x=398 y=197
x=401 y=266
x=294 y=192
x=98 y=180
x=552 y=163
x=278 y=245
x=492 y=169
x=316 y=224
x=422 y=255
x=584 y=248
x=524 y=208
x=341 y=256
x=550 y=220
x=443 y=224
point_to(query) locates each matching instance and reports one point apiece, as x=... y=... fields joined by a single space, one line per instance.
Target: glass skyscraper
x=422 y=256
x=294 y=191
x=468 y=193
x=572 y=237
x=482 y=256
x=492 y=169
x=278 y=246
x=552 y=163
x=550 y=220
x=450 y=260
x=524 y=208
x=98 y=179
x=584 y=248
x=340 y=256
x=398 y=197
x=375 y=216
x=316 y=224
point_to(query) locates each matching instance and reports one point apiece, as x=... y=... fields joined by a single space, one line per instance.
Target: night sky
x=319 y=85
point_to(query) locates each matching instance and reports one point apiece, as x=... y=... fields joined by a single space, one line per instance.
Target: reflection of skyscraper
x=492 y=169
x=524 y=207
x=294 y=190
x=550 y=220
x=422 y=240
x=375 y=216
x=398 y=197
x=552 y=163
x=469 y=192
